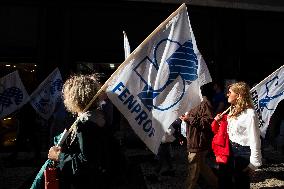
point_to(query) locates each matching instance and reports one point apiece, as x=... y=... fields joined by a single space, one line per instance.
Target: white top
x=245 y=131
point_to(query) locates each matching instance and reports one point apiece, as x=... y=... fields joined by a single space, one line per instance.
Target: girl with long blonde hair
x=244 y=136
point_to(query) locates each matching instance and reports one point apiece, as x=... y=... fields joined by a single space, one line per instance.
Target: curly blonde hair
x=78 y=91
x=244 y=101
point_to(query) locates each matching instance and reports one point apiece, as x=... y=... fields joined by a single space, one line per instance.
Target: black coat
x=82 y=162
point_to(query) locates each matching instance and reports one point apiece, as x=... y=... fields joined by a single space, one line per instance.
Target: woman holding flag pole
x=79 y=157
x=244 y=137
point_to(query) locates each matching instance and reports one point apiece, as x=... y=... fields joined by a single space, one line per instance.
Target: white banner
x=160 y=79
x=48 y=93
x=13 y=94
x=266 y=96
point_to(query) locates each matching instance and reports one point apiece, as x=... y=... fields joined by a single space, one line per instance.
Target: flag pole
x=260 y=83
x=67 y=132
x=225 y=111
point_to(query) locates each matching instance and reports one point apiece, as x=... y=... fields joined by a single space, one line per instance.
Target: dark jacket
x=81 y=163
x=198 y=132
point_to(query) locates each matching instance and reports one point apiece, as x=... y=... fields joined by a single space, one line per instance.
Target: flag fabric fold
x=266 y=95
x=13 y=94
x=160 y=79
x=47 y=94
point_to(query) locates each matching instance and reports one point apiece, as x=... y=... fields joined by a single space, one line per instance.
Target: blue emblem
x=10 y=96
x=264 y=102
x=56 y=86
x=45 y=102
x=183 y=62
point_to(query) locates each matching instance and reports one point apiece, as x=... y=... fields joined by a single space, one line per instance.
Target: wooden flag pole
x=225 y=111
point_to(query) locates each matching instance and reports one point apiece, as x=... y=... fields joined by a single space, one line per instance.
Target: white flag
x=48 y=93
x=266 y=96
x=13 y=94
x=160 y=79
x=126 y=45
x=204 y=75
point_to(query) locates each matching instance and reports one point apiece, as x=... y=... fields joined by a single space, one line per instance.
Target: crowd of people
x=224 y=127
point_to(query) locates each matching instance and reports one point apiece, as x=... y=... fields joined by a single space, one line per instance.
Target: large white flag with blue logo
x=13 y=94
x=48 y=93
x=160 y=79
x=266 y=96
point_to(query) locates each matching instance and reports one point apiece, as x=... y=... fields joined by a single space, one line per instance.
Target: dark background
x=236 y=43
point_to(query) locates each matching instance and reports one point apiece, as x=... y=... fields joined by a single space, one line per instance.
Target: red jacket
x=220 y=142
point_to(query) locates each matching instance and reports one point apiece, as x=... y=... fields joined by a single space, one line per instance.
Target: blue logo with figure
x=263 y=103
x=183 y=62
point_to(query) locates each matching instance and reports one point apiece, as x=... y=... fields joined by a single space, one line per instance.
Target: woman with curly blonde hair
x=78 y=91
x=244 y=135
x=80 y=156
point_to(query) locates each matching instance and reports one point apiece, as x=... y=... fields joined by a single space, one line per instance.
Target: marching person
x=244 y=137
x=165 y=164
x=219 y=101
x=199 y=135
x=80 y=156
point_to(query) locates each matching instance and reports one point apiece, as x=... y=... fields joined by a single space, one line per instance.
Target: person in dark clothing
x=199 y=136
x=80 y=158
x=165 y=164
x=219 y=100
x=273 y=129
x=180 y=139
x=114 y=157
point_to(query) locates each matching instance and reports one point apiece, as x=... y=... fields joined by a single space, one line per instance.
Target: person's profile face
x=232 y=96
